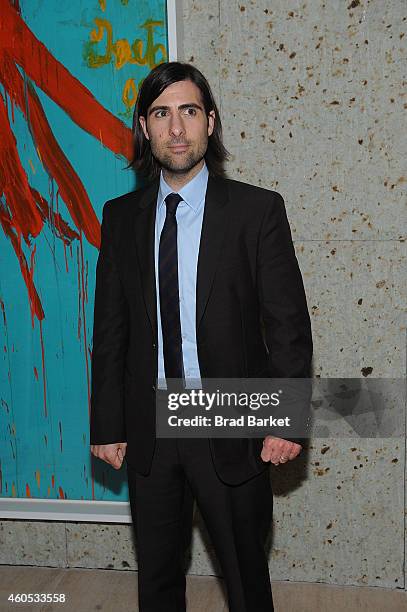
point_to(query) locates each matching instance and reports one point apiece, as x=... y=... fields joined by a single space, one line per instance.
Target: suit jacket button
x=154 y=346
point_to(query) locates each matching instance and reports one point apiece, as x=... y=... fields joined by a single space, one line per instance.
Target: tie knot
x=172 y=200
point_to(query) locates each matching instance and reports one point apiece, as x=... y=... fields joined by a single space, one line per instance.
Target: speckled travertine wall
x=311 y=98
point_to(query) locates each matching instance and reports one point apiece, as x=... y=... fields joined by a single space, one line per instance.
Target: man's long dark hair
x=163 y=75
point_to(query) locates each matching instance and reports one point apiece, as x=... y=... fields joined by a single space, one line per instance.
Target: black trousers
x=237 y=518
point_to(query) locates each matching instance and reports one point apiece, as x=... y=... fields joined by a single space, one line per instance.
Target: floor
x=86 y=590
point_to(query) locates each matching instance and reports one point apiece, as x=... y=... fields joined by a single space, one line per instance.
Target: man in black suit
x=196 y=278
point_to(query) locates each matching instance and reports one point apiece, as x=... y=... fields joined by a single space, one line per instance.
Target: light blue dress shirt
x=189 y=217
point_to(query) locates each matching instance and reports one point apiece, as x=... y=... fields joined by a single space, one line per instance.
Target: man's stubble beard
x=170 y=164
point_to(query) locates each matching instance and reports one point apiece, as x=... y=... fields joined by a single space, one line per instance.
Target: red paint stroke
x=55 y=219
x=61 y=493
x=3 y=310
x=19 y=45
x=27 y=490
x=26 y=210
x=85 y=341
x=77 y=101
x=54 y=160
x=60 y=435
x=14 y=182
x=19 y=213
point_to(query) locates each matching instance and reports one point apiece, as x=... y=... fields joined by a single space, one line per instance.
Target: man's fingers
x=265 y=455
x=113 y=454
x=111 y=458
x=295 y=450
x=271 y=452
x=278 y=450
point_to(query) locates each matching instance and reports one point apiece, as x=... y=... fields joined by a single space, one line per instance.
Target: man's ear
x=211 y=122
x=143 y=124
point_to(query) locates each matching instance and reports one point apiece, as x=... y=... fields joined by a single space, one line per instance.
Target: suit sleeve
x=110 y=339
x=283 y=305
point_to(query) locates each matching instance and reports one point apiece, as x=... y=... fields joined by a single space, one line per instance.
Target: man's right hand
x=111 y=453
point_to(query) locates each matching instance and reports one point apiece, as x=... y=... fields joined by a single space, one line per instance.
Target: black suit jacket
x=252 y=319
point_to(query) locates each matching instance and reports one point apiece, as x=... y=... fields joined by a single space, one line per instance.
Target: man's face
x=178 y=128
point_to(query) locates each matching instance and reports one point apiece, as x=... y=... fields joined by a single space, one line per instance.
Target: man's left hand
x=278 y=450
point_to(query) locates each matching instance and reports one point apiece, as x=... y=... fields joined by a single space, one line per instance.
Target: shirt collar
x=193 y=193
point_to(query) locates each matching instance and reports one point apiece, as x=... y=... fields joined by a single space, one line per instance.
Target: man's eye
x=190 y=111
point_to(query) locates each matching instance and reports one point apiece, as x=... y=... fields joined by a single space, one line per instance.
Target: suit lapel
x=212 y=237
x=145 y=238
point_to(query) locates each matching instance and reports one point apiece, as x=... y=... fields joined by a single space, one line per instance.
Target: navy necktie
x=169 y=291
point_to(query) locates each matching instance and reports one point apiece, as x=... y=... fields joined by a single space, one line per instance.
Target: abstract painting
x=69 y=77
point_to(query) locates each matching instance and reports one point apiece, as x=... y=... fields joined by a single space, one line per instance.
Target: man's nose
x=176 y=126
